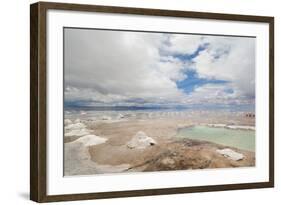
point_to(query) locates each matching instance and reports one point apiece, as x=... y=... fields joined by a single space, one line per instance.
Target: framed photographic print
x=133 y=102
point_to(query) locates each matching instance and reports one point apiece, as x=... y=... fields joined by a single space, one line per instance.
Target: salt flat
x=104 y=149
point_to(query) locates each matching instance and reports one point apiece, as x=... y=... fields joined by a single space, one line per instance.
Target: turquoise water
x=242 y=139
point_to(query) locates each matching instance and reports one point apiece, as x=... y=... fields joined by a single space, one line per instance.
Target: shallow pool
x=242 y=139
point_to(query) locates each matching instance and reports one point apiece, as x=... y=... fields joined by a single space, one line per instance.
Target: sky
x=125 y=68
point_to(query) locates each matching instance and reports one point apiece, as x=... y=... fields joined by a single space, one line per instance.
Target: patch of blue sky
x=183 y=56
x=193 y=81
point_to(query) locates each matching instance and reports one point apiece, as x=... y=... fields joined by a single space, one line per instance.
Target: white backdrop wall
x=14 y=107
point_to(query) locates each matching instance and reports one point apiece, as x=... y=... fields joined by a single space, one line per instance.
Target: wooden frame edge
x=153 y=12
x=34 y=191
x=38 y=101
x=271 y=100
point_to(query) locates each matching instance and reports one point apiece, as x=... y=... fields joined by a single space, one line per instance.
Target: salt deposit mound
x=78 y=132
x=229 y=153
x=217 y=125
x=120 y=116
x=77 y=160
x=140 y=141
x=67 y=121
x=75 y=126
x=90 y=140
x=77 y=129
x=241 y=127
x=106 y=117
x=77 y=120
x=234 y=127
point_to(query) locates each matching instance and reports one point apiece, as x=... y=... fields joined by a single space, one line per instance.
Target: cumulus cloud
x=104 y=65
x=181 y=44
x=137 y=68
x=231 y=59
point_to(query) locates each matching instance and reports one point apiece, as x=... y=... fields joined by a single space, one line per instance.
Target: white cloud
x=181 y=44
x=231 y=59
x=110 y=65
